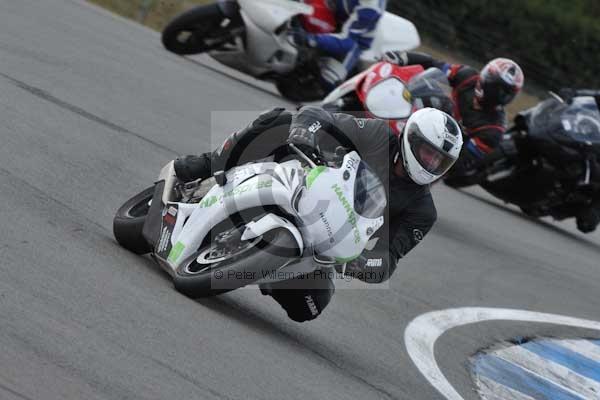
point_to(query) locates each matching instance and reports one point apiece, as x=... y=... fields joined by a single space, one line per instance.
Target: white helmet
x=430 y=145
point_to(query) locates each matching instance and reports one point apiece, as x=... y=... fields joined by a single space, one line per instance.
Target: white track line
x=422 y=333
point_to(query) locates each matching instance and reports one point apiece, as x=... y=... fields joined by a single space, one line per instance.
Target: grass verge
x=153 y=13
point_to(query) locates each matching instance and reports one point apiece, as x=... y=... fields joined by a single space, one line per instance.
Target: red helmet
x=499 y=82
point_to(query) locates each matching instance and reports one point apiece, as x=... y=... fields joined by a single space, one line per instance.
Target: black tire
x=531 y=211
x=270 y=252
x=129 y=222
x=199 y=30
x=292 y=89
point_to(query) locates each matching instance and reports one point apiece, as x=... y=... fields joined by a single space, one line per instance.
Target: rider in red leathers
x=480 y=98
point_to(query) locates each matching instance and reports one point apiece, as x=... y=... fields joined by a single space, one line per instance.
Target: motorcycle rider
x=431 y=143
x=342 y=30
x=480 y=98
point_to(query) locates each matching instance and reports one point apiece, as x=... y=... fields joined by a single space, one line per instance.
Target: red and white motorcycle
x=391 y=92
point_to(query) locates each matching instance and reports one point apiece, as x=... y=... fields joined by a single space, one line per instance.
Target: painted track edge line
x=423 y=331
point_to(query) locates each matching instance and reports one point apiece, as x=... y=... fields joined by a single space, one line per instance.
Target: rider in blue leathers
x=342 y=30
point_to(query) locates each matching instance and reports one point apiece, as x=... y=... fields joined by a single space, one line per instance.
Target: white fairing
x=267 y=48
x=342 y=90
x=271 y=14
x=389 y=99
x=331 y=224
x=269 y=222
x=247 y=186
x=393 y=33
x=323 y=202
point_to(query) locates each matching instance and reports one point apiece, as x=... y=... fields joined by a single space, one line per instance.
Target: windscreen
x=431 y=88
x=369 y=193
x=581 y=120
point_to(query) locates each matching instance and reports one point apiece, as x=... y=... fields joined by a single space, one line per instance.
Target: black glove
x=303 y=138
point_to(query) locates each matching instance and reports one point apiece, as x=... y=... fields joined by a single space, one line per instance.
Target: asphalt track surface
x=91 y=107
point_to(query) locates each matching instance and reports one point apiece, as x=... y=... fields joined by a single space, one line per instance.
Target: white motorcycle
x=258 y=223
x=253 y=36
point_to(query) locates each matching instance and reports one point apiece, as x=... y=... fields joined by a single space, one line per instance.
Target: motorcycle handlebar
x=302 y=155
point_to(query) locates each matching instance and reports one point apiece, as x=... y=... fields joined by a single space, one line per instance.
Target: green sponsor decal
x=211 y=200
x=246 y=188
x=343 y=260
x=208 y=201
x=176 y=252
x=349 y=211
x=313 y=174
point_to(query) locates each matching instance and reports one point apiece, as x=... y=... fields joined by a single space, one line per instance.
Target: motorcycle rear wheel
x=199 y=30
x=128 y=222
x=251 y=261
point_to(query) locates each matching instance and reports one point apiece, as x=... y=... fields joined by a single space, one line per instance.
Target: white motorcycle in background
x=257 y=223
x=253 y=36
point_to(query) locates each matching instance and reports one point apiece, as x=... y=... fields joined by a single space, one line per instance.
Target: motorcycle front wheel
x=199 y=30
x=300 y=89
x=229 y=263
